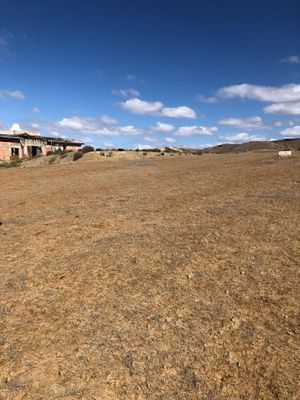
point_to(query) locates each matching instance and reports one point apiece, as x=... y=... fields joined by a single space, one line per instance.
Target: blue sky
x=138 y=73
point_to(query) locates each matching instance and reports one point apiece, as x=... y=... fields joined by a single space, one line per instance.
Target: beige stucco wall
x=5 y=150
x=33 y=142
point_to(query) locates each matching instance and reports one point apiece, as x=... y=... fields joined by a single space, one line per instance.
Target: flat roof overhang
x=50 y=140
x=9 y=138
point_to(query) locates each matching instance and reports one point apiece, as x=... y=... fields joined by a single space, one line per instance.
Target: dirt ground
x=167 y=278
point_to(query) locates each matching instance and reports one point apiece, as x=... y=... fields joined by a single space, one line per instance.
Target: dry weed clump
x=77 y=156
x=87 y=149
x=12 y=163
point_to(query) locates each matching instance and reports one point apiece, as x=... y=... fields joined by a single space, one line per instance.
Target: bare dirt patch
x=176 y=278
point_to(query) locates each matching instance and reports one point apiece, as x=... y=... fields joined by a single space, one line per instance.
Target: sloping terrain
x=275 y=145
x=167 y=278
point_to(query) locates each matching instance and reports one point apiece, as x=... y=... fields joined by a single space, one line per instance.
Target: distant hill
x=276 y=145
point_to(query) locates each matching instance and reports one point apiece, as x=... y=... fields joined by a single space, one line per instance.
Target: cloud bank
x=142 y=107
x=14 y=94
x=250 y=123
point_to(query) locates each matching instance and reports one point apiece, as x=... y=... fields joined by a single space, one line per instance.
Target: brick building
x=19 y=144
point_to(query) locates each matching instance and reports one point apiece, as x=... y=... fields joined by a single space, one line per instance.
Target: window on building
x=15 y=152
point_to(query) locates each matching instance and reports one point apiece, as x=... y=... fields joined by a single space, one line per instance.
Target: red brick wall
x=5 y=151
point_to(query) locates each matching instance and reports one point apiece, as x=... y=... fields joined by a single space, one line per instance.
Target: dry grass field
x=161 y=279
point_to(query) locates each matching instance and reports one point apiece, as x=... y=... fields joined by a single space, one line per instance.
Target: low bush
x=54 y=152
x=64 y=154
x=77 y=156
x=11 y=164
x=87 y=149
x=52 y=159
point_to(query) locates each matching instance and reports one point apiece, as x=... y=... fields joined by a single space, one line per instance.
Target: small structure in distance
x=20 y=144
x=285 y=153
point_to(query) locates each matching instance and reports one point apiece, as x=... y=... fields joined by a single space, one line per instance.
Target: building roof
x=10 y=138
x=49 y=139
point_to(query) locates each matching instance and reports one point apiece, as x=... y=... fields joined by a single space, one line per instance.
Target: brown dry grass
x=163 y=279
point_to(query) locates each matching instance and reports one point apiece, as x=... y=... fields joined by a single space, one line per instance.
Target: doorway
x=34 y=151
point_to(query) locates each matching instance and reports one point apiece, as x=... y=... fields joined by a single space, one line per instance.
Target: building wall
x=5 y=150
x=72 y=148
x=33 y=142
x=68 y=148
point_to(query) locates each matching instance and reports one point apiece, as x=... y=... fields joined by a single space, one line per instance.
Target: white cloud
x=142 y=107
x=196 y=131
x=5 y=38
x=15 y=94
x=131 y=77
x=35 y=126
x=178 y=112
x=170 y=140
x=126 y=92
x=144 y=147
x=15 y=127
x=161 y=127
x=206 y=145
x=108 y=145
x=291 y=60
x=278 y=124
x=94 y=126
x=108 y=120
x=283 y=108
x=244 y=123
x=285 y=93
x=243 y=137
x=150 y=139
x=36 y=110
x=208 y=100
x=129 y=130
x=87 y=140
x=54 y=133
x=291 y=132
x=76 y=123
